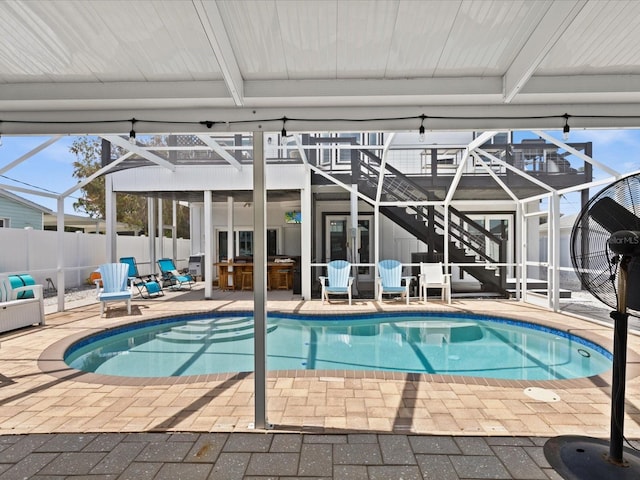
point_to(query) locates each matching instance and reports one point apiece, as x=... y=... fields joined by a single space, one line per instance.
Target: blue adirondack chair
x=116 y=286
x=338 y=280
x=147 y=285
x=390 y=280
x=171 y=276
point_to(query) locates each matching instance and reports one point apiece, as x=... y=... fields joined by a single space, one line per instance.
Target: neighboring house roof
x=24 y=201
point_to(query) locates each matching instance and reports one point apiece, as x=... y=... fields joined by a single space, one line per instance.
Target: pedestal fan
x=605 y=251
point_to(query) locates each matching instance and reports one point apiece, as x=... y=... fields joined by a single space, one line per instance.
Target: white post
x=151 y=229
x=60 y=261
x=208 y=246
x=519 y=239
x=305 y=236
x=174 y=230
x=111 y=214
x=231 y=238
x=554 y=227
x=161 y=232
x=353 y=234
x=260 y=281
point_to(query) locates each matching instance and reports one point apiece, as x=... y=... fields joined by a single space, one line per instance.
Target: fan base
x=585 y=458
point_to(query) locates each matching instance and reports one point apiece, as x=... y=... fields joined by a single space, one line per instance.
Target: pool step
x=218 y=330
x=198 y=326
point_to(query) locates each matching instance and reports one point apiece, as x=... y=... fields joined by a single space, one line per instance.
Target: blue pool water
x=468 y=345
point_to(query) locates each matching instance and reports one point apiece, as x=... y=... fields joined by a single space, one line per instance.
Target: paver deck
x=56 y=422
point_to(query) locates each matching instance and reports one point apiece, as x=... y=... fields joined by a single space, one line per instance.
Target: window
x=244 y=243
x=4 y=223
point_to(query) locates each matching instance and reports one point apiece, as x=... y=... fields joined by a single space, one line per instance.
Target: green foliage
x=131 y=209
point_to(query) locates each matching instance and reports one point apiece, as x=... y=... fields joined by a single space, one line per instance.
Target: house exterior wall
x=20 y=215
x=288 y=235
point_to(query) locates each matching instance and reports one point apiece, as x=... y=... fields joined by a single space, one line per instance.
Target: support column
x=554 y=233
x=151 y=229
x=60 y=260
x=260 y=280
x=111 y=214
x=208 y=245
x=306 y=236
x=174 y=231
x=353 y=233
x=231 y=237
x=161 y=231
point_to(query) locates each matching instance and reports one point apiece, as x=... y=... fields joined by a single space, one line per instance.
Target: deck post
x=260 y=281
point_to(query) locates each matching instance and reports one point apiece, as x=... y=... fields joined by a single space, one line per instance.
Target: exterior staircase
x=470 y=242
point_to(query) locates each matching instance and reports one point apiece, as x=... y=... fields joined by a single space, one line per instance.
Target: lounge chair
x=16 y=310
x=338 y=280
x=171 y=276
x=432 y=276
x=390 y=280
x=147 y=285
x=116 y=285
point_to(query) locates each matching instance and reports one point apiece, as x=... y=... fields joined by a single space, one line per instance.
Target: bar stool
x=223 y=278
x=247 y=280
x=284 y=278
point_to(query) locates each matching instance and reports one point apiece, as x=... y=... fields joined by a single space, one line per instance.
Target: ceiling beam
x=425 y=95
x=218 y=38
x=551 y=27
x=514 y=116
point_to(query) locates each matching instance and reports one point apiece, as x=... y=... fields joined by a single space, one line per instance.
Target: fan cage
x=595 y=264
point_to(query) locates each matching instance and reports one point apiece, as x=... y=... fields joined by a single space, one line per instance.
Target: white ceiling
x=478 y=64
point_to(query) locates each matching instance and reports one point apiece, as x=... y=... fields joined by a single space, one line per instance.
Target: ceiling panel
x=604 y=38
x=318 y=59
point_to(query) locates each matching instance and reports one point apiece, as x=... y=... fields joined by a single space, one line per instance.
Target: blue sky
x=52 y=169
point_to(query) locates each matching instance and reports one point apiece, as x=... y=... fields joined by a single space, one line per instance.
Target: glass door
x=339 y=242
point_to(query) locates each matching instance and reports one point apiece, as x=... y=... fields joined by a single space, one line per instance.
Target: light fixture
x=283 y=133
x=421 y=129
x=132 y=133
x=567 y=128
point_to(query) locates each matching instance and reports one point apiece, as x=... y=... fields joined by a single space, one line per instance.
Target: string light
x=132 y=133
x=421 y=129
x=261 y=121
x=283 y=133
x=567 y=128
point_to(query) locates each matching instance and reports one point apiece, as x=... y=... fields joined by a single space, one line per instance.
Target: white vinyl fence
x=35 y=252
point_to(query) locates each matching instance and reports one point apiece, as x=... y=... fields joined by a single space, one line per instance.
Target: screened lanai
x=125 y=70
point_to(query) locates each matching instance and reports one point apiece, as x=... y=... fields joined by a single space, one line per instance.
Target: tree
x=131 y=209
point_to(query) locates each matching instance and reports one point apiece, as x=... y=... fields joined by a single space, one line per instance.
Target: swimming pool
x=466 y=345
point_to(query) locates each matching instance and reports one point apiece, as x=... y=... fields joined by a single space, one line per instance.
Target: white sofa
x=18 y=313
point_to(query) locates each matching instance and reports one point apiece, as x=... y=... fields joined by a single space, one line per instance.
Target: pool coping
x=51 y=360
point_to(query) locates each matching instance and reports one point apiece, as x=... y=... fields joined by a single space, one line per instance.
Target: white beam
x=30 y=153
x=28 y=190
x=549 y=29
x=142 y=151
x=475 y=143
x=95 y=175
x=578 y=154
x=216 y=147
x=515 y=170
x=388 y=114
x=493 y=175
x=215 y=30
